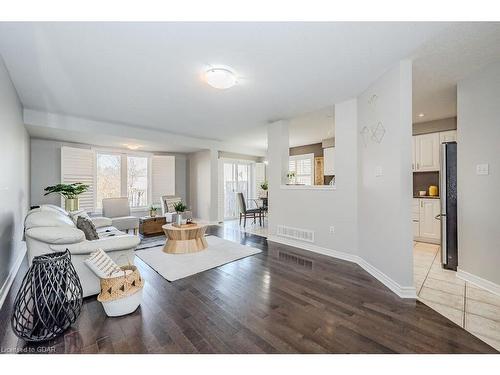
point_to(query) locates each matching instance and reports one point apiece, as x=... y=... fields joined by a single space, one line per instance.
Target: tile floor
x=473 y=308
x=250 y=228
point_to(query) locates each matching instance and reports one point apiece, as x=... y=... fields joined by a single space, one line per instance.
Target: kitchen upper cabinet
x=429 y=226
x=448 y=136
x=328 y=161
x=427 y=152
x=319 y=170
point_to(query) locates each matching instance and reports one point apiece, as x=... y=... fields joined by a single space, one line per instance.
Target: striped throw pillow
x=101 y=264
x=169 y=203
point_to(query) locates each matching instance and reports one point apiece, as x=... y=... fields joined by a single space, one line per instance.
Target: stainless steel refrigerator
x=448 y=215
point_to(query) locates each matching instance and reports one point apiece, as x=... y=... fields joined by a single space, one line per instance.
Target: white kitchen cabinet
x=415 y=217
x=448 y=136
x=329 y=158
x=429 y=226
x=427 y=152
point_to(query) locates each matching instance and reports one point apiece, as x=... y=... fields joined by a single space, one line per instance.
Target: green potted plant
x=291 y=177
x=70 y=192
x=264 y=186
x=153 y=210
x=179 y=207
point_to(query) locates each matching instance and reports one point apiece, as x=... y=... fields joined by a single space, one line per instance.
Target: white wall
x=384 y=202
x=46 y=170
x=14 y=178
x=318 y=209
x=478 y=196
x=371 y=215
x=203 y=185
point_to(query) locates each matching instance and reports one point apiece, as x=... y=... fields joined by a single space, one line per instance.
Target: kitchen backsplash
x=422 y=181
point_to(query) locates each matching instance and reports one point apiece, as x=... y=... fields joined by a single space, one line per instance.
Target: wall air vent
x=295 y=233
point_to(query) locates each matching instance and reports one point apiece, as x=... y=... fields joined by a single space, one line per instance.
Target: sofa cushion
x=87 y=226
x=47 y=219
x=109 y=231
x=56 y=235
x=100 y=221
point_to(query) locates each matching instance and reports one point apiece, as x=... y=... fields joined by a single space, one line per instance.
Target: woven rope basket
x=114 y=288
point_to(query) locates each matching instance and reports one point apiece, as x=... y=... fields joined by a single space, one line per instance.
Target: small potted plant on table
x=180 y=208
x=291 y=177
x=153 y=210
x=264 y=187
x=70 y=192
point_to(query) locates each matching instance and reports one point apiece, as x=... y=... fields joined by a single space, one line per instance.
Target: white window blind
x=163 y=177
x=77 y=165
x=303 y=166
x=260 y=175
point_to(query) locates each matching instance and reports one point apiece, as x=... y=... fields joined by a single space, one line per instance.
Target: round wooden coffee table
x=189 y=238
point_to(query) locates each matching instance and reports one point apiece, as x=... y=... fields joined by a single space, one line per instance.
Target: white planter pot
x=123 y=306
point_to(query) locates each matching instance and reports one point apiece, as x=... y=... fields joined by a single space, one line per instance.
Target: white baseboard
x=401 y=291
x=315 y=249
x=479 y=281
x=12 y=275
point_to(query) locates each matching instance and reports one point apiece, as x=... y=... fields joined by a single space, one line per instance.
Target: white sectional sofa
x=50 y=228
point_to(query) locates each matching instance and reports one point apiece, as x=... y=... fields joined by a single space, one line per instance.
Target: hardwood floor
x=283 y=300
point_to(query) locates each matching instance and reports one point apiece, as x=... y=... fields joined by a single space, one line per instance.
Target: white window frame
x=310 y=156
x=124 y=174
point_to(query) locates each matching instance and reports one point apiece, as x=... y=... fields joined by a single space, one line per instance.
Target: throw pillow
x=74 y=215
x=102 y=265
x=169 y=203
x=87 y=226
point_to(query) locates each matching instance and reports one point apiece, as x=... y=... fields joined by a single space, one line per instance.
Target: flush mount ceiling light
x=221 y=77
x=132 y=146
x=421 y=115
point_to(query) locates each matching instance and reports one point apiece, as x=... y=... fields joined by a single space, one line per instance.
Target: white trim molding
x=401 y=291
x=12 y=274
x=479 y=281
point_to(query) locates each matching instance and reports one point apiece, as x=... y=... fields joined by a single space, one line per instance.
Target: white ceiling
x=444 y=60
x=148 y=74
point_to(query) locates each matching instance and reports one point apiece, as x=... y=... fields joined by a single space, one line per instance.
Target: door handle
x=438 y=216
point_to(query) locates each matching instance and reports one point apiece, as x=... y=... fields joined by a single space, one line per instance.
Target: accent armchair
x=118 y=210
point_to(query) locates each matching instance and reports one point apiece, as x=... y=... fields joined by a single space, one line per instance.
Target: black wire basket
x=49 y=300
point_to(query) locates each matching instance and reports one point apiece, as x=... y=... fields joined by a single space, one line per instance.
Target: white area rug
x=177 y=266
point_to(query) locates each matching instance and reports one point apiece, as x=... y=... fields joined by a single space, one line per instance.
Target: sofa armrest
x=56 y=235
x=124 y=242
x=100 y=221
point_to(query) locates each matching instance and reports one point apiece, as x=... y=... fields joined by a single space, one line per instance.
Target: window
x=303 y=166
x=119 y=175
x=108 y=177
x=141 y=177
x=137 y=181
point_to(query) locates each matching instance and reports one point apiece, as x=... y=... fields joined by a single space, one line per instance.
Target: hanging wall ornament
x=378 y=132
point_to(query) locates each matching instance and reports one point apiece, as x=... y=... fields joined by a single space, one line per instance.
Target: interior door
x=238 y=177
x=230 y=185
